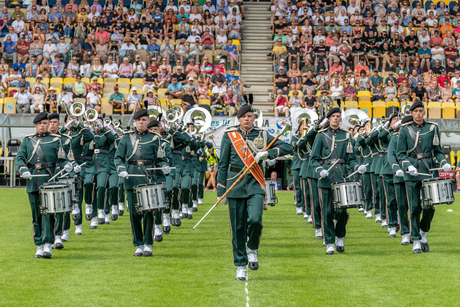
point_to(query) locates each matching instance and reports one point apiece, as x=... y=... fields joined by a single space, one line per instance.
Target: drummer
x=333 y=145
x=41 y=154
x=136 y=152
x=418 y=144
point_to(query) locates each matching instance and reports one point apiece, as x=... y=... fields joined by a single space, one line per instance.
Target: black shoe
x=76 y=216
x=425 y=247
x=240 y=278
x=120 y=212
x=147 y=254
x=92 y=227
x=269 y=54
x=46 y=255
x=101 y=221
x=38 y=256
x=416 y=251
x=397 y=228
x=194 y=209
x=166 y=230
x=158 y=238
x=178 y=222
x=340 y=249
x=89 y=217
x=138 y=254
x=114 y=217
x=330 y=253
x=189 y=216
x=59 y=246
x=247 y=86
x=253 y=266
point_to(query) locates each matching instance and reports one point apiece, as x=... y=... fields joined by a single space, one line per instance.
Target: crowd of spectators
x=329 y=51
x=186 y=51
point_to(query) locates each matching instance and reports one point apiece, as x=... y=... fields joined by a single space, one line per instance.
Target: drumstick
x=356 y=171
x=136 y=175
x=69 y=173
x=333 y=164
x=158 y=168
x=435 y=169
x=422 y=174
x=42 y=175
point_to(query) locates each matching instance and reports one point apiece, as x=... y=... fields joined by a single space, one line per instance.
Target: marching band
x=345 y=160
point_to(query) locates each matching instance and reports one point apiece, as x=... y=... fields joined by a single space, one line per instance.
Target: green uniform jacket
x=380 y=156
x=166 y=149
x=305 y=144
x=148 y=146
x=392 y=158
x=79 y=136
x=188 y=153
x=112 y=151
x=103 y=141
x=229 y=158
x=296 y=162
x=385 y=137
x=427 y=134
x=366 y=151
x=203 y=158
x=50 y=145
x=177 y=140
x=196 y=158
x=320 y=152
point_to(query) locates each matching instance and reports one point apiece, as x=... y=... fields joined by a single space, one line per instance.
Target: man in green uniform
x=202 y=170
x=418 y=144
x=246 y=199
x=295 y=171
x=113 y=200
x=385 y=136
x=399 y=186
x=187 y=172
x=136 y=152
x=366 y=153
x=78 y=135
x=199 y=169
x=41 y=154
x=359 y=157
x=89 y=180
x=333 y=146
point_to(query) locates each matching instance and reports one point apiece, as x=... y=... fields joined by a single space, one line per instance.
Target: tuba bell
x=354 y=117
x=154 y=112
x=77 y=109
x=259 y=118
x=200 y=117
x=303 y=115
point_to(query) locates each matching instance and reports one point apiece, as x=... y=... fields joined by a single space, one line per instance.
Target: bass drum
x=55 y=198
x=437 y=191
x=347 y=195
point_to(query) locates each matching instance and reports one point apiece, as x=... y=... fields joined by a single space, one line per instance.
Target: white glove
x=124 y=175
x=176 y=125
x=412 y=171
x=68 y=167
x=166 y=169
x=69 y=124
x=26 y=175
x=74 y=123
x=189 y=134
x=166 y=127
x=447 y=167
x=111 y=129
x=77 y=169
x=224 y=200
x=362 y=169
x=99 y=124
x=323 y=123
x=324 y=173
x=399 y=173
x=261 y=156
x=271 y=162
x=386 y=124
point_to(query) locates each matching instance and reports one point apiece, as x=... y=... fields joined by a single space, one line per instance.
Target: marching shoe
x=139 y=251
x=78 y=230
x=107 y=219
x=189 y=214
x=252 y=259
x=416 y=249
x=93 y=223
x=175 y=217
x=147 y=250
x=158 y=234
x=405 y=239
x=309 y=220
x=76 y=214
x=392 y=232
x=369 y=215
x=58 y=242
x=166 y=223
x=114 y=213
x=65 y=236
x=339 y=245
x=121 y=209
x=184 y=211
x=298 y=211
x=318 y=234
x=384 y=223
x=305 y=216
x=424 y=242
x=377 y=218
x=101 y=216
x=365 y=212
x=241 y=273
x=39 y=252
x=329 y=249
x=47 y=251
x=195 y=207
x=89 y=212
x=200 y=201
x=361 y=209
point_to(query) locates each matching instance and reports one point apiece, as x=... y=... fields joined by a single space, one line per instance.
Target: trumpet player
x=366 y=155
x=115 y=201
x=187 y=172
x=295 y=170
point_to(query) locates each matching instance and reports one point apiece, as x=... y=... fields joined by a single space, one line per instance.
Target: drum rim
x=436 y=179
x=54 y=185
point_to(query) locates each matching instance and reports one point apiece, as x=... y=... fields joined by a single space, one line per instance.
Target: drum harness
x=140 y=161
x=38 y=150
x=419 y=154
x=330 y=142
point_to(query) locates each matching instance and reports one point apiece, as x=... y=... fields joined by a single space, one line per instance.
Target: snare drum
x=270 y=197
x=55 y=198
x=437 y=191
x=347 y=195
x=72 y=182
x=163 y=199
x=148 y=198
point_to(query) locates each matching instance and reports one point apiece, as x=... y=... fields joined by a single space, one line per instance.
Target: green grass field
x=195 y=267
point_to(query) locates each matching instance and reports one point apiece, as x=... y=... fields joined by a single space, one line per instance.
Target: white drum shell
x=161 y=193
x=55 y=198
x=270 y=196
x=437 y=191
x=348 y=194
x=72 y=182
x=148 y=198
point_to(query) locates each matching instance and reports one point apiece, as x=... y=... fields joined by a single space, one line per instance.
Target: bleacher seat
x=366 y=106
x=9 y=105
x=434 y=109
x=351 y=105
x=378 y=109
x=448 y=110
x=12 y=147
x=106 y=107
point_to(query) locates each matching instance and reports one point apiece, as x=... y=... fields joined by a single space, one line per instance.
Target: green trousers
x=245 y=221
x=121 y=191
x=197 y=184
x=34 y=200
x=413 y=189
x=375 y=192
x=297 y=188
x=305 y=192
x=383 y=208
x=141 y=224
x=113 y=194
x=367 y=185
x=169 y=187
x=329 y=214
x=185 y=185
x=90 y=197
x=390 y=197
x=403 y=207
x=314 y=202
x=175 y=204
x=201 y=184
x=102 y=181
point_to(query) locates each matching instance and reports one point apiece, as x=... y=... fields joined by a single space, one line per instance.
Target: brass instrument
x=405 y=111
x=77 y=109
x=354 y=117
x=298 y=117
x=259 y=118
x=107 y=121
x=116 y=123
x=200 y=117
x=154 y=112
x=91 y=116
